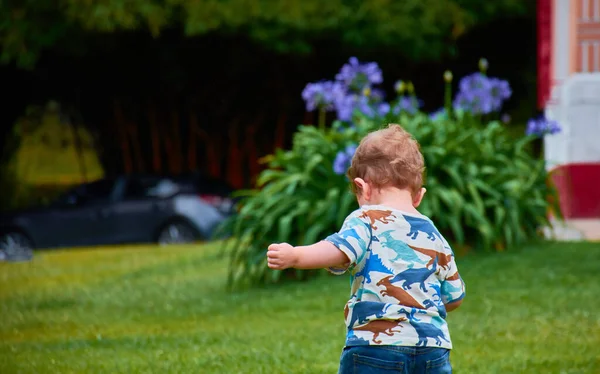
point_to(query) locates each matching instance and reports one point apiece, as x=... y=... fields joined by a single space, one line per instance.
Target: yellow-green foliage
x=48 y=154
x=45 y=161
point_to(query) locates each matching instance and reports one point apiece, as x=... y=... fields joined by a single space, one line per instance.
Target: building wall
x=574 y=35
x=587 y=36
x=573 y=155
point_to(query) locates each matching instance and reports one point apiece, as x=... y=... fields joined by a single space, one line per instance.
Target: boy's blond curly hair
x=389 y=158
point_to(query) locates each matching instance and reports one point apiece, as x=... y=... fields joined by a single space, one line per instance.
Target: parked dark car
x=127 y=209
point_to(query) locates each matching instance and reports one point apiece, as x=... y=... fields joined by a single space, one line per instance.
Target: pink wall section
x=586 y=38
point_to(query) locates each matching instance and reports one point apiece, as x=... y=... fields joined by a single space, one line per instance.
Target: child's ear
x=419 y=197
x=362 y=188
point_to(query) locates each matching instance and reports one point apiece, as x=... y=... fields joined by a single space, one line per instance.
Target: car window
x=150 y=187
x=205 y=185
x=100 y=190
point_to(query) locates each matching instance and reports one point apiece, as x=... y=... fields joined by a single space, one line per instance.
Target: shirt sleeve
x=353 y=239
x=452 y=287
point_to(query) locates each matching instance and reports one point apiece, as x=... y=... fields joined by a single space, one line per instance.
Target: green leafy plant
x=485 y=188
x=299 y=198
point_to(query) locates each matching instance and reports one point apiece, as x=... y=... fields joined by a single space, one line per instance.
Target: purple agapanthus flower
x=474 y=82
x=383 y=109
x=322 y=95
x=480 y=94
x=438 y=114
x=500 y=92
x=409 y=104
x=374 y=110
x=366 y=108
x=474 y=102
x=542 y=126
x=376 y=95
x=357 y=76
x=343 y=159
x=345 y=106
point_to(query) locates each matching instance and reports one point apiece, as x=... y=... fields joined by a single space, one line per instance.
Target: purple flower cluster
x=352 y=90
x=439 y=115
x=376 y=95
x=408 y=104
x=357 y=76
x=480 y=94
x=343 y=159
x=374 y=110
x=345 y=106
x=541 y=126
x=371 y=104
x=323 y=95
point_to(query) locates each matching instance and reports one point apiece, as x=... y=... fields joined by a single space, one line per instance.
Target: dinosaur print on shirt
x=403 y=250
x=402 y=272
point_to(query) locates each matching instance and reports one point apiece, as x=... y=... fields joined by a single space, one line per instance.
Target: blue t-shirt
x=403 y=271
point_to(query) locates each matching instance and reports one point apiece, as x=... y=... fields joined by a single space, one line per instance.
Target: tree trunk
x=213 y=157
x=120 y=124
x=177 y=150
x=251 y=148
x=173 y=143
x=280 y=131
x=193 y=134
x=132 y=130
x=234 y=162
x=211 y=144
x=155 y=135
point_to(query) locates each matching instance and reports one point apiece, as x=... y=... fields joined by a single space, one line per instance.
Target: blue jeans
x=369 y=359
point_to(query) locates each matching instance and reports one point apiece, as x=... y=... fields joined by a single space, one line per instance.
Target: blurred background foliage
x=421 y=28
x=218 y=82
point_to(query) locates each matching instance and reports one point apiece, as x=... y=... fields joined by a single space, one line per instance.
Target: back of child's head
x=389 y=157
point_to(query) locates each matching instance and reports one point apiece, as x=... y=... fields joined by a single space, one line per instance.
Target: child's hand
x=281 y=256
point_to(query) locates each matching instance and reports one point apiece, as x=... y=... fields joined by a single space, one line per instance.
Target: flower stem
x=322 y=114
x=448 y=97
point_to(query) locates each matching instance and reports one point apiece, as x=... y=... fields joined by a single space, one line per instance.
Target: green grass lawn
x=159 y=310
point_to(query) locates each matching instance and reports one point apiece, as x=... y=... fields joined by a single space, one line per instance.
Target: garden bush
x=485 y=189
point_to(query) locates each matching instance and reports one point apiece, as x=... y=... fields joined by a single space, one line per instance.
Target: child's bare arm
x=452 y=305
x=319 y=255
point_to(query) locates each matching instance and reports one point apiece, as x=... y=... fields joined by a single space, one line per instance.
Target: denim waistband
x=415 y=351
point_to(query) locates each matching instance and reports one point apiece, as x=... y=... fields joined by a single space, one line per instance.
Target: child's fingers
x=275 y=256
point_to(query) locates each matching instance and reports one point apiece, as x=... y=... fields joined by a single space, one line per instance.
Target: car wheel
x=15 y=246
x=177 y=233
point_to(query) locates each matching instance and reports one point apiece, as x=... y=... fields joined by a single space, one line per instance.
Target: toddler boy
x=404 y=276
